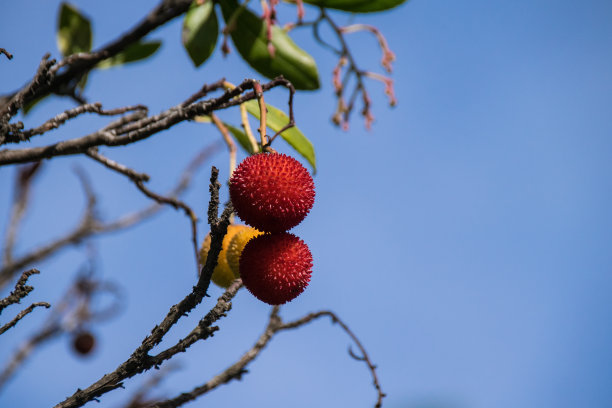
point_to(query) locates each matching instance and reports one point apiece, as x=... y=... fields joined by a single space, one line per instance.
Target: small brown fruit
x=84 y=343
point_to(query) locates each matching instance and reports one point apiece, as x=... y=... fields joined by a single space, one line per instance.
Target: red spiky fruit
x=272 y=192
x=276 y=268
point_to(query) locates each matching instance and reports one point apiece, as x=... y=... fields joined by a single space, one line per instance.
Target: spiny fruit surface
x=236 y=246
x=276 y=268
x=272 y=192
x=222 y=274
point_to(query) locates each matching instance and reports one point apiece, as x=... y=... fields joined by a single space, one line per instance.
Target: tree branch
x=22 y=314
x=5 y=52
x=27 y=94
x=139 y=179
x=87 y=223
x=138 y=130
x=57 y=121
x=89 y=226
x=75 y=66
x=23 y=182
x=21 y=290
x=274 y=326
x=24 y=351
x=204 y=329
x=140 y=360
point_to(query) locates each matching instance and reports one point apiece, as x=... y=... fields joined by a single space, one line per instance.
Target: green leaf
x=135 y=52
x=241 y=137
x=357 y=6
x=200 y=31
x=276 y=120
x=73 y=31
x=249 y=37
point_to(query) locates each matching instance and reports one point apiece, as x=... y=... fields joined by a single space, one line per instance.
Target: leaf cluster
x=261 y=43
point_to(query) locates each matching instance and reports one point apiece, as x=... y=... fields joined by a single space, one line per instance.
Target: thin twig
x=60 y=119
x=231 y=146
x=364 y=354
x=90 y=226
x=291 y=117
x=235 y=371
x=21 y=290
x=77 y=65
x=140 y=360
x=74 y=308
x=118 y=167
x=74 y=237
x=352 y=65
x=139 y=179
x=141 y=129
x=244 y=119
x=206 y=89
x=22 y=314
x=139 y=398
x=45 y=334
x=23 y=182
x=5 y=52
x=274 y=325
x=87 y=223
x=25 y=95
x=204 y=328
x=262 y=114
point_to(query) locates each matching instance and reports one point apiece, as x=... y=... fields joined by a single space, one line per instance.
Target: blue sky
x=466 y=239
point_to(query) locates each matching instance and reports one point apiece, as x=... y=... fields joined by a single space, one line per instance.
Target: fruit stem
x=228 y=140
x=262 y=113
x=245 y=120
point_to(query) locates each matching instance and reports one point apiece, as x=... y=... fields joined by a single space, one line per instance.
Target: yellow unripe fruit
x=237 y=245
x=222 y=274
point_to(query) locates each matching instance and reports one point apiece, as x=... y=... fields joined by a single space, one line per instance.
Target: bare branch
x=138 y=130
x=275 y=325
x=139 y=398
x=204 y=329
x=26 y=349
x=88 y=221
x=206 y=89
x=75 y=308
x=231 y=146
x=57 y=121
x=5 y=52
x=140 y=360
x=291 y=123
x=27 y=94
x=245 y=120
x=364 y=354
x=74 y=237
x=89 y=226
x=21 y=290
x=22 y=314
x=77 y=65
x=235 y=371
x=118 y=167
x=21 y=196
x=139 y=179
